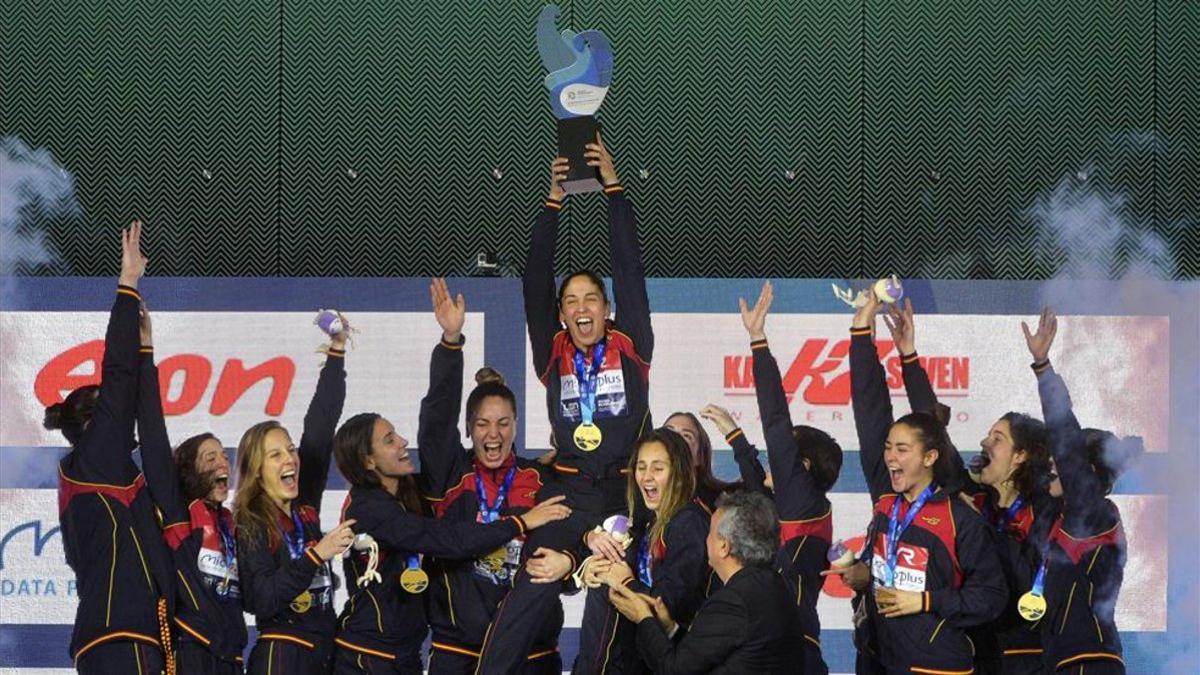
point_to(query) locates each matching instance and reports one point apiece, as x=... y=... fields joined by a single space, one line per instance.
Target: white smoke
x=30 y=181
x=1110 y=265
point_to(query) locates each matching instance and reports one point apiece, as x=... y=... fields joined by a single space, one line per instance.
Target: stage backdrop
x=237 y=351
x=781 y=137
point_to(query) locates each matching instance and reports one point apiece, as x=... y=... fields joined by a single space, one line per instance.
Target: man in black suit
x=749 y=625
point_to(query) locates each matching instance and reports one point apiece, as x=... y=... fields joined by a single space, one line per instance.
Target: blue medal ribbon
x=295 y=540
x=896 y=530
x=1039 y=581
x=413 y=562
x=490 y=513
x=643 y=561
x=588 y=378
x=228 y=552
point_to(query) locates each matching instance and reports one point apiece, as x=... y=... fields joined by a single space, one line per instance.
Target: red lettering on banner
x=739 y=372
x=196 y=373
x=57 y=378
x=235 y=380
x=820 y=372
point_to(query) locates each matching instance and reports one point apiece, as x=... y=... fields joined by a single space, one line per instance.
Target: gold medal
x=1031 y=607
x=414 y=580
x=301 y=603
x=588 y=437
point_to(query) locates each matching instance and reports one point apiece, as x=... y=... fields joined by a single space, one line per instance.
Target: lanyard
x=645 y=575
x=1039 y=581
x=896 y=530
x=588 y=379
x=295 y=541
x=491 y=512
x=228 y=544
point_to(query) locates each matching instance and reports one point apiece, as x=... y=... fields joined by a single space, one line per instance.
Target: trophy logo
x=579 y=70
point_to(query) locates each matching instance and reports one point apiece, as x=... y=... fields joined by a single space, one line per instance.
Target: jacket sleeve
x=320 y=424
x=1083 y=493
x=983 y=592
x=103 y=454
x=746 y=456
x=443 y=458
x=389 y=524
x=796 y=494
x=872 y=410
x=157 y=463
x=629 y=275
x=267 y=589
x=680 y=578
x=717 y=632
x=541 y=302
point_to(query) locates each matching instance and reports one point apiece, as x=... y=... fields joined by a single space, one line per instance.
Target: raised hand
x=597 y=155
x=1039 y=343
x=755 y=319
x=133 y=263
x=900 y=323
x=450 y=312
x=720 y=417
x=865 y=316
x=558 y=173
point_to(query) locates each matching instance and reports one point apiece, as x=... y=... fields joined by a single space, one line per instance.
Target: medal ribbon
x=295 y=540
x=491 y=512
x=1039 y=581
x=1006 y=516
x=896 y=530
x=228 y=551
x=413 y=561
x=587 y=381
x=643 y=561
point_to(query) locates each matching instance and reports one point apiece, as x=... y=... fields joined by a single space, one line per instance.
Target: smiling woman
x=283 y=558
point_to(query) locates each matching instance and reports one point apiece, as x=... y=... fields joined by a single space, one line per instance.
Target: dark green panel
x=138 y=100
x=1177 y=207
x=395 y=118
x=975 y=110
x=736 y=130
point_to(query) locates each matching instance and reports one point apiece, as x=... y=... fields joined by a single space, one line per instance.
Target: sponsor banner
x=37 y=587
x=1115 y=367
x=226 y=371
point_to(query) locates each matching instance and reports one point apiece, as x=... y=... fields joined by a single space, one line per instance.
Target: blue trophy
x=579 y=69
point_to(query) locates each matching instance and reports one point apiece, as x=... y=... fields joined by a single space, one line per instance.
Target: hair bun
x=488 y=375
x=53 y=418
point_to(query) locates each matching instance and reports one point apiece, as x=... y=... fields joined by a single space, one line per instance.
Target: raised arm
x=629 y=275
x=320 y=422
x=541 y=310
x=796 y=494
x=157 y=463
x=443 y=459
x=1083 y=490
x=871 y=401
x=744 y=452
x=103 y=454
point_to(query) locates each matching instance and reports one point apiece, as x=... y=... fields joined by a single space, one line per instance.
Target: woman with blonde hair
x=283 y=557
x=666 y=558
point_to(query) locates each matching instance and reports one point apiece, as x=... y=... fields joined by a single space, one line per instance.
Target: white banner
x=1116 y=368
x=227 y=370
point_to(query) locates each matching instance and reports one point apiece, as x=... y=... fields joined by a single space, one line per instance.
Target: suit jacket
x=748 y=626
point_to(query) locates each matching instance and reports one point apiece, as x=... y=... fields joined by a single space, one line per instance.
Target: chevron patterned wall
x=798 y=138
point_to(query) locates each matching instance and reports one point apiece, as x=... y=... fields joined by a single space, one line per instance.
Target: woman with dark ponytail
x=479 y=484
x=929 y=570
x=1081 y=556
x=110 y=532
x=384 y=623
x=190 y=490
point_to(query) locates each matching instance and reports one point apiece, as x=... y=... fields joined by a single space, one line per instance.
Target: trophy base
x=573 y=134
